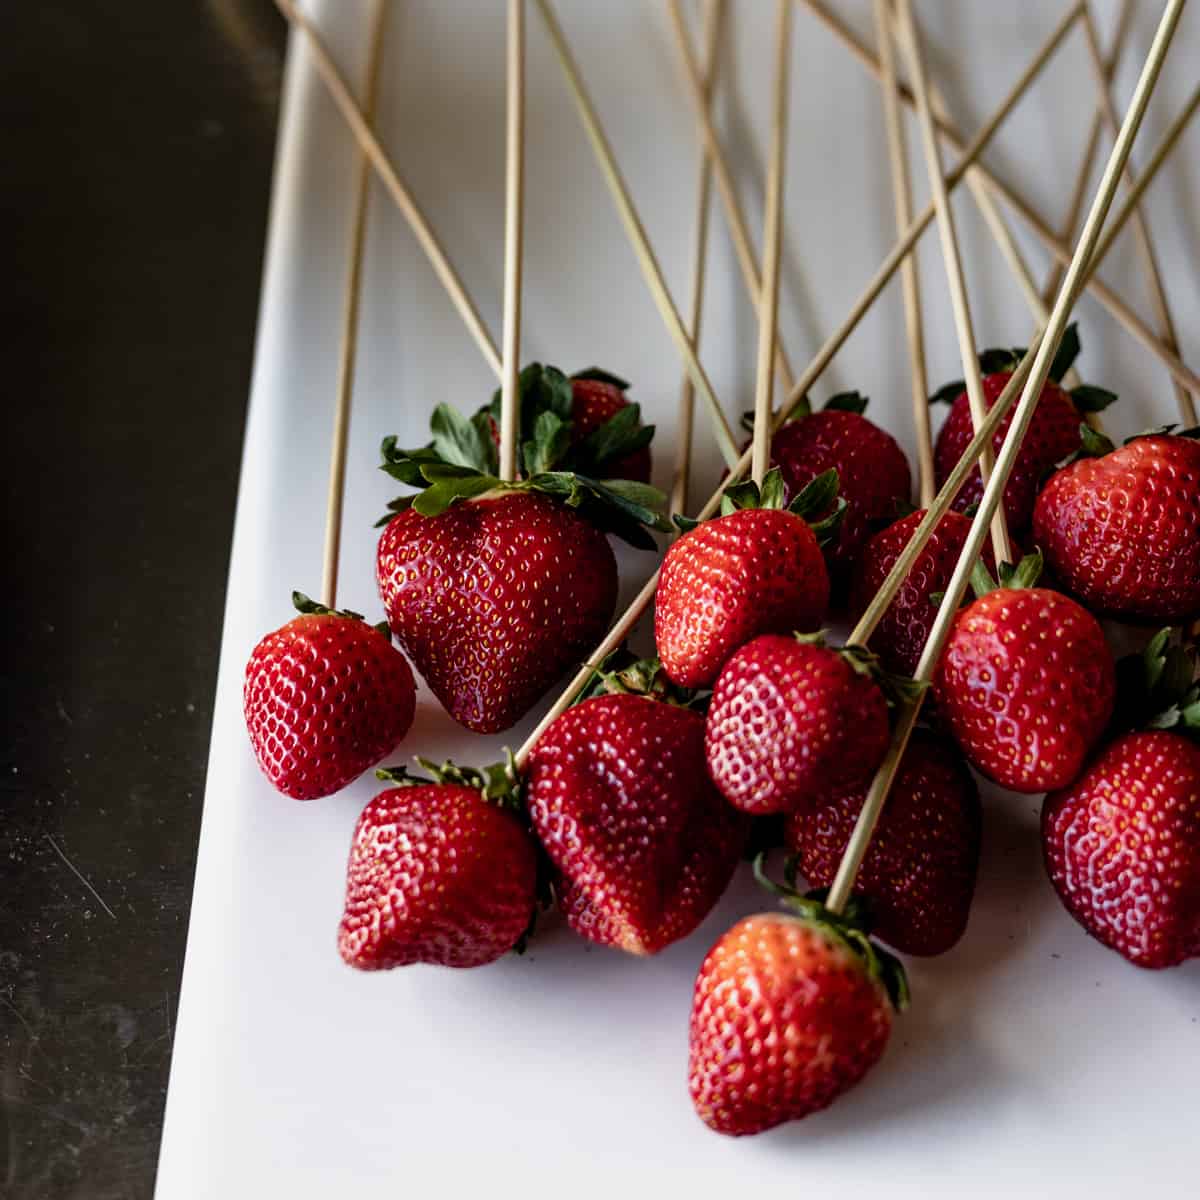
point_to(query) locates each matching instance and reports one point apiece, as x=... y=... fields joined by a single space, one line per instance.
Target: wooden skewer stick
x=1141 y=231
x=400 y=194
x=1091 y=146
x=514 y=208
x=843 y=882
x=768 y=303
x=955 y=276
x=743 y=246
x=909 y=281
x=1123 y=313
x=350 y=309
x=714 y=17
x=945 y=497
x=636 y=232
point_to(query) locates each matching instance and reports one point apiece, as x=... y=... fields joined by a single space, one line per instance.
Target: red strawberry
x=594 y=402
x=919 y=873
x=790 y=1010
x=642 y=842
x=1053 y=434
x=495 y=598
x=326 y=697
x=873 y=474
x=903 y=630
x=1122 y=848
x=437 y=874
x=785 y=715
x=1122 y=531
x=752 y=571
x=1026 y=684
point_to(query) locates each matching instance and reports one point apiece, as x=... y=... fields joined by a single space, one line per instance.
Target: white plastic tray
x=1032 y=1058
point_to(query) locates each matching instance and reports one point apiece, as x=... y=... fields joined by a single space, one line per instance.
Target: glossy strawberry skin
x=1053 y=434
x=920 y=870
x=594 y=403
x=784 y=1020
x=901 y=634
x=642 y=842
x=437 y=874
x=789 y=721
x=1026 y=685
x=325 y=697
x=873 y=474
x=1122 y=532
x=494 y=599
x=730 y=579
x=1122 y=848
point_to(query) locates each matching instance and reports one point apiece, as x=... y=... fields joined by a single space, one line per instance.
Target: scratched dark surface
x=137 y=155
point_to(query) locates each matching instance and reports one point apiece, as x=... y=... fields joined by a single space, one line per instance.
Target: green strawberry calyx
x=499 y=783
x=818 y=503
x=311 y=608
x=1087 y=398
x=624 y=674
x=851 y=929
x=896 y=689
x=461 y=462
x=854 y=402
x=1024 y=574
x=1096 y=445
x=1158 y=688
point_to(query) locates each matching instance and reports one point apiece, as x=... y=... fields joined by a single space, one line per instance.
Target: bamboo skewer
x=514 y=208
x=714 y=15
x=1141 y=231
x=400 y=194
x=739 y=232
x=1091 y=146
x=910 y=283
x=1072 y=286
x=350 y=310
x=768 y=304
x=955 y=276
x=636 y=232
x=1123 y=313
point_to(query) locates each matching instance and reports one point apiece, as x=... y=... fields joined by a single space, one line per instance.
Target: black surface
x=137 y=149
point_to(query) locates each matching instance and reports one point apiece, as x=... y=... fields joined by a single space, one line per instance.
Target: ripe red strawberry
x=595 y=401
x=751 y=571
x=437 y=874
x=791 y=718
x=325 y=697
x=919 y=873
x=1053 y=434
x=790 y=1010
x=901 y=634
x=873 y=474
x=494 y=599
x=1122 y=531
x=1122 y=848
x=1026 y=684
x=642 y=842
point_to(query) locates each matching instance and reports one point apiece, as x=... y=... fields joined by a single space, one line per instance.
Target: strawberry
x=755 y=569
x=642 y=843
x=1122 y=531
x=903 y=630
x=790 y=1010
x=607 y=438
x=1122 y=848
x=1052 y=436
x=873 y=474
x=326 y=696
x=440 y=872
x=783 y=714
x=919 y=873
x=495 y=589
x=1026 y=683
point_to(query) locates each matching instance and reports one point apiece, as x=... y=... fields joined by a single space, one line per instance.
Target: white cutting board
x=1032 y=1057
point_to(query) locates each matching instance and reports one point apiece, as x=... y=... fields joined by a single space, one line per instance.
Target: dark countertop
x=138 y=155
